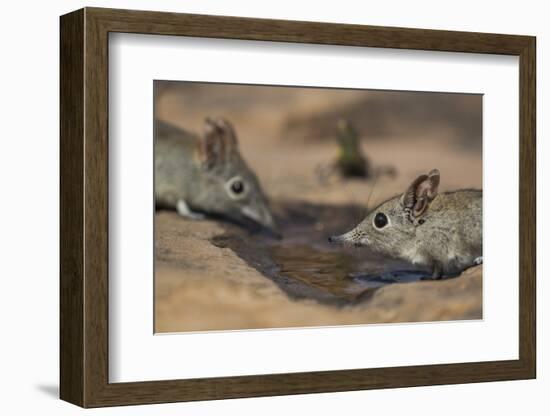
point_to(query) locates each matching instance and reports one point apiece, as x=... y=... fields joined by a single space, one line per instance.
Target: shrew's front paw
x=184 y=210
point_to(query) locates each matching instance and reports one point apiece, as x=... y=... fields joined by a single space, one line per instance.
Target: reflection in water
x=337 y=273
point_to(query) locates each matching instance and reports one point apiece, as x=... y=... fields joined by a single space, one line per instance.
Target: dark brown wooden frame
x=84 y=208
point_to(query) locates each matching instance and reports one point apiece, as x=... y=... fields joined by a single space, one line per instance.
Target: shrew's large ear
x=218 y=144
x=420 y=193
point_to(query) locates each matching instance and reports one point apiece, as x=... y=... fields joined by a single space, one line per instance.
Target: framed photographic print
x=256 y=207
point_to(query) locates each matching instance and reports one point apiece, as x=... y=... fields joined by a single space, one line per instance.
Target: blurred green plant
x=351 y=161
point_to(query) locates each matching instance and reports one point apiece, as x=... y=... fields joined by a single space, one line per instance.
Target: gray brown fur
x=440 y=231
x=196 y=172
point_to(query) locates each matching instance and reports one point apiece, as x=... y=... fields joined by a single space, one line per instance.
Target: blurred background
x=287 y=133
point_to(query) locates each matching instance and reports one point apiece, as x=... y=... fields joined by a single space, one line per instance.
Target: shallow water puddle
x=347 y=278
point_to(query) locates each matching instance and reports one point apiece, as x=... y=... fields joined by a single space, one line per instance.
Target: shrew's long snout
x=353 y=237
x=262 y=216
x=336 y=239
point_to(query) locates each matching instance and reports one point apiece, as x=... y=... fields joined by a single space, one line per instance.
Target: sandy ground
x=212 y=275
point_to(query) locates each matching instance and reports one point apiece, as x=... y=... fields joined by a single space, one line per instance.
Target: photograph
x=298 y=206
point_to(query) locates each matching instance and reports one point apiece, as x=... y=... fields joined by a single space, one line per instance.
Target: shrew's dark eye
x=380 y=220
x=237 y=187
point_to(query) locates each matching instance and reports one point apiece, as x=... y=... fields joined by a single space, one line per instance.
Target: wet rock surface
x=212 y=275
